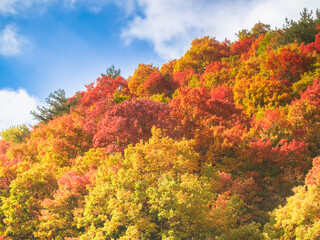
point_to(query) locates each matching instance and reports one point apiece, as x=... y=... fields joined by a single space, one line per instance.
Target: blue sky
x=50 y=44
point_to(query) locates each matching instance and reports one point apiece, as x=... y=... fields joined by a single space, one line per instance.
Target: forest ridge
x=223 y=143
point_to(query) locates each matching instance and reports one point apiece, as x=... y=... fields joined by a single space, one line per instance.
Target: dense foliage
x=223 y=143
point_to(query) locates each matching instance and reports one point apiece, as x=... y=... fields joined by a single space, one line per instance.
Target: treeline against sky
x=223 y=143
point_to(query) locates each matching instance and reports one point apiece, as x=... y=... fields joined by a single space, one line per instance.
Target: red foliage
x=61 y=140
x=255 y=162
x=215 y=67
x=263 y=153
x=74 y=183
x=288 y=63
x=267 y=162
x=8 y=171
x=254 y=46
x=101 y=92
x=196 y=107
x=222 y=93
x=275 y=124
x=182 y=79
x=312 y=47
x=218 y=73
x=306 y=110
x=158 y=84
x=242 y=47
x=247 y=188
x=72 y=189
x=312 y=94
x=4 y=146
x=272 y=117
x=260 y=152
x=130 y=122
x=97 y=98
x=5 y=238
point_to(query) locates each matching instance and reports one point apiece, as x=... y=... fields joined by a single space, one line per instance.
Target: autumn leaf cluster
x=222 y=143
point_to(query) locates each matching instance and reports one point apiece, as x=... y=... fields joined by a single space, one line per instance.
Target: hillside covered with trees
x=223 y=143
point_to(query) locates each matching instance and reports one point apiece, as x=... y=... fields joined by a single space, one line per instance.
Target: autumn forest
x=222 y=143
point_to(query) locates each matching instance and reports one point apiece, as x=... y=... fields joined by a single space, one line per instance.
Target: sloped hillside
x=207 y=146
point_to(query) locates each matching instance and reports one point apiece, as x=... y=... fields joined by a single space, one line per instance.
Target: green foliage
x=180 y=205
x=15 y=134
x=57 y=105
x=258 y=29
x=306 y=80
x=299 y=218
x=118 y=97
x=268 y=41
x=160 y=98
x=22 y=207
x=112 y=72
x=247 y=232
x=160 y=197
x=270 y=231
x=303 y=30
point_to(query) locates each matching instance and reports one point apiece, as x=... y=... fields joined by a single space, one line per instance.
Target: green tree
x=112 y=72
x=258 y=29
x=57 y=105
x=303 y=30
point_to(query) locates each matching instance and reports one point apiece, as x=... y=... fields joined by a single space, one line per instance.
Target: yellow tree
x=299 y=218
x=202 y=52
x=140 y=75
x=151 y=193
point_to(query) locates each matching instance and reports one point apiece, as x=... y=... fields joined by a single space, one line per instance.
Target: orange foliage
x=241 y=47
x=202 y=52
x=233 y=129
x=141 y=74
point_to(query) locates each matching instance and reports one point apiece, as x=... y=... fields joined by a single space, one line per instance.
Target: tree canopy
x=222 y=143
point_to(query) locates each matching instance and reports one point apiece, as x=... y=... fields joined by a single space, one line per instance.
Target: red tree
x=158 y=84
x=196 y=107
x=242 y=47
x=312 y=47
x=93 y=102
x=130 y=122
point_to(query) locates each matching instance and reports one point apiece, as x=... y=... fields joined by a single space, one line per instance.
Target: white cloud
x=8 y=7
x=97 y=6
x=12 y=7
x=171 y=25
x=11 y=42
x=15 y=107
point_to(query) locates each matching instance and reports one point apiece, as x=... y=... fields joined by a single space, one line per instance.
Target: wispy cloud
x=171 y=25
x=15 y=107
x=11 y=42
x=9 y=7
x=12 y=7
